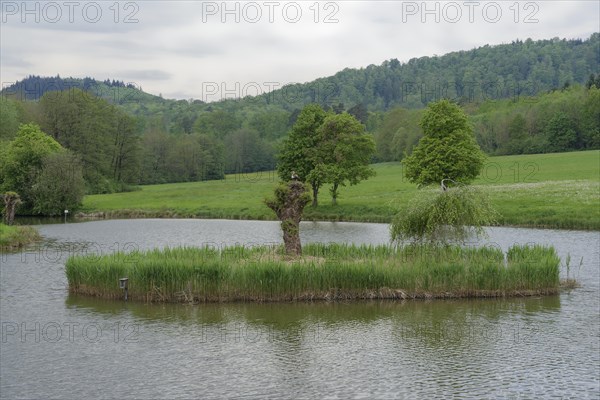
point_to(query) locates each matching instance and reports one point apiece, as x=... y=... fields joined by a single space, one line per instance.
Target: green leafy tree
x=125 y=149
x=270 y=123
x=9 y=118
x=217 y=123
x=326 y=148
x=300 y=150
x=561 y=134
x=23 y=160
x=447 y=150
x=104 y=136
x=359 y=111
x=156 y=146
x=344 y=153
x=591 y=117
x=397 y=133
x=593 y=81
x=247 y=152
x=59 y=186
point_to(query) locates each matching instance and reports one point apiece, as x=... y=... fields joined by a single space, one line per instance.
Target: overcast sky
x=187 y=49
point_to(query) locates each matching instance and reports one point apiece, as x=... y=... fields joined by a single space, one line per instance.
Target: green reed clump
x=15 y=237
x=533 y=266
x=325 y=271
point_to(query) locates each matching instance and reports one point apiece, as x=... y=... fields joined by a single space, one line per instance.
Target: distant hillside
x=34 y=87
x=521 y=68
x=518 y=69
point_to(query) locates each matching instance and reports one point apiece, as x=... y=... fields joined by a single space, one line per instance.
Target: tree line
x=557 y=121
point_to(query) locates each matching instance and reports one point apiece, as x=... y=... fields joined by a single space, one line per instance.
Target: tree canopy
x=344 y=153
x=447 y=150
x=47 y=177
x=323 y=147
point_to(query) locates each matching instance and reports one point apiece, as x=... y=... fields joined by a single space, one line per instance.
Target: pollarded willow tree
x=447 y=150
x=289 y=202
x=12 y=200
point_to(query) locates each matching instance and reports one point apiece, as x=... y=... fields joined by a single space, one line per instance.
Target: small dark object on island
x=123 y=284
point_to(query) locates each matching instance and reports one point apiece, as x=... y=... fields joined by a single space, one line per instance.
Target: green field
x=560 y=190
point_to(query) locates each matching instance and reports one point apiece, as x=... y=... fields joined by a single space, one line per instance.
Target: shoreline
x=332 y=296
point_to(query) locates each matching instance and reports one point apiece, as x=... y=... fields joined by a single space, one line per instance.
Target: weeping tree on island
x=448 y=156
x=442 y=216
x=289 y=202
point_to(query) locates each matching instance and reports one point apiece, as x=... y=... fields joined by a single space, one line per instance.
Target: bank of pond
x=15 y=237
x=323 y=272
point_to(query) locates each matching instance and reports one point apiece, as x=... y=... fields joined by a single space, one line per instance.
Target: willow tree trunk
x=11 y=202
x=289 y=204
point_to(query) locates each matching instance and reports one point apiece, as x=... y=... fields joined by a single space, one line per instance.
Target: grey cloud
x=14 y=61
x=99 y=16
x=148 y=74
x=192 y=49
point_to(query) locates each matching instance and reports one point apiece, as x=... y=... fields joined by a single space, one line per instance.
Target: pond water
x=55 y=345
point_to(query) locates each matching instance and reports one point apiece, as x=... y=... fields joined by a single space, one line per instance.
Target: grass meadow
x=560 y=190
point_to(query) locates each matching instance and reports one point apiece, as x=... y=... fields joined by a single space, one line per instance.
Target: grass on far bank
x=324 y=272
x=560 y=190
x=15 y=237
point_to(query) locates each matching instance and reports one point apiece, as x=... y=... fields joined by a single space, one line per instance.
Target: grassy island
x=15 y=237
x=323 y=272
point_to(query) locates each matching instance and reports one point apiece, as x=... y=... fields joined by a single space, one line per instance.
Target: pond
x=55 y=345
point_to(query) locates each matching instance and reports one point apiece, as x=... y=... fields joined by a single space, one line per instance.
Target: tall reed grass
x=325 y=272
x=15 y=237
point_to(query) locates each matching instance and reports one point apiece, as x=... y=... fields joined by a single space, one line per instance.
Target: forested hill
x=521 y=68
x=34 y=87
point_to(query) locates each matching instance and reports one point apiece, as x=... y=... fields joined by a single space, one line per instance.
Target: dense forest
x=523 y=97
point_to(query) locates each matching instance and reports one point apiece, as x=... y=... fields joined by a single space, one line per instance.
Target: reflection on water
x=292 y=314
x=60 y=345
